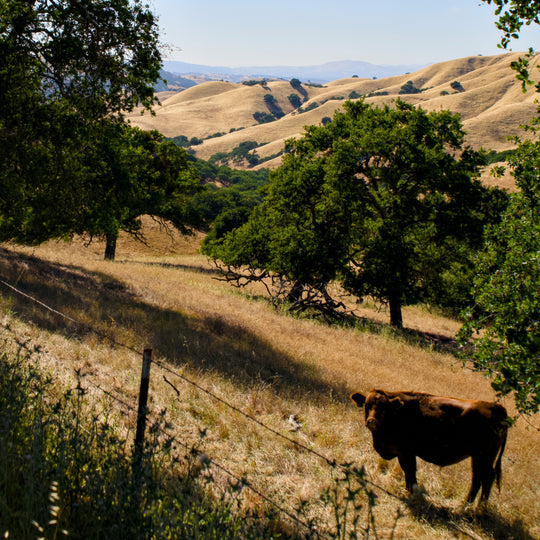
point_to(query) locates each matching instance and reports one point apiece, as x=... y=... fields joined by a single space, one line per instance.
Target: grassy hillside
x=489 y=100
x=270 y=366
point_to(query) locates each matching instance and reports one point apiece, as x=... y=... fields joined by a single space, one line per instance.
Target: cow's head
x=377 y=404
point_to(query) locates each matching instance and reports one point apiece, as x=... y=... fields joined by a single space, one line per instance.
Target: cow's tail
x=498 y=465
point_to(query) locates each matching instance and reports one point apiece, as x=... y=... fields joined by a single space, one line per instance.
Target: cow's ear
x=397 y=402
x=359 y=399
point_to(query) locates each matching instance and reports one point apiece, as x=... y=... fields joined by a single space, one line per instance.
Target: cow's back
x=447 y=430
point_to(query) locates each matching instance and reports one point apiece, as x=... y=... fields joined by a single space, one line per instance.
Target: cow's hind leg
x=408 y=464
x=476 y=479
x=488 y=477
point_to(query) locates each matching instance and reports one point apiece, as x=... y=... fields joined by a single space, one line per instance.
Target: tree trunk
x=396 y=317
x=296 y=292
x=110 y=247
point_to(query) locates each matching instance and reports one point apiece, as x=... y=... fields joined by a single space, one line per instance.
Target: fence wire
x=215 y=463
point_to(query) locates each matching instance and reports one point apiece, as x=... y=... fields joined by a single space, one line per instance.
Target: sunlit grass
x=270 y=366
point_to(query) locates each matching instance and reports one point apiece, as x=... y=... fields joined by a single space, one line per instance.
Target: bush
x=295 y=83
x=409 y=88
x=295 y=100
x=64 y=470
x=457 y=86
x=310 y=107
x=263 y=117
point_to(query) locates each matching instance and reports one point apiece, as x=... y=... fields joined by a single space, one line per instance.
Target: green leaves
x=371 y=199
x=507 y=296
x=68 y=164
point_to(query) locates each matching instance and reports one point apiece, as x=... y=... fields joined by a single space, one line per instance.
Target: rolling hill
x=488 y=97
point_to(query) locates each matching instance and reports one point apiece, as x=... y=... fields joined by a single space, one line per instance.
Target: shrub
x=263 y=117
x=66 y=471
x=295 y=83
x=409 y=88
x=295 y=100
x=457 y=86
x=310 y=107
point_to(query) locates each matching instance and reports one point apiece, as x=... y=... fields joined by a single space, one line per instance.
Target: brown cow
x=439 y=430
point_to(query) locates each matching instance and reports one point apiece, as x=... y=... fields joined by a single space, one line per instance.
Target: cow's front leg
x=408 y=464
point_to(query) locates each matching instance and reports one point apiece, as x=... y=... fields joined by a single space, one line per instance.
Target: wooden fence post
x=142 y=409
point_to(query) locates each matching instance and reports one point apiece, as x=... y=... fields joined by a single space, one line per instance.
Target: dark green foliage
x=296 y=84
x=513 y=15
x=326 y=120
x=507 y=293
x=263 y=118
x=246 y=150
x=295 y=100
x=66 y=472
x=179 y=140
x=456 y=85
x=310 y=107
x=223 y=209
x=83 y=56
x=134 y=173
x=375 y=199
x=273 y=106
x=69 y=72
x=255 y=82
x=409 y=88
x=354 y=95
x=495 y=157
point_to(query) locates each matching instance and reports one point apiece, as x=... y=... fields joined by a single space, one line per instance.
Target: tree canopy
x=69 y=72
x=381 y=199
x=133 y=172
x=504 y=317
x=507 y=292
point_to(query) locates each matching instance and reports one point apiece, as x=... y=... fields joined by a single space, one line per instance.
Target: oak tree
x=379 y=199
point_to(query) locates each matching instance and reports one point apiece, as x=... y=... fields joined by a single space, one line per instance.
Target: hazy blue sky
x=304 y=32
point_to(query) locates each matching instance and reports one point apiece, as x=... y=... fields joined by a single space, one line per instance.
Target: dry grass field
x=270 y=366
x=491 y=104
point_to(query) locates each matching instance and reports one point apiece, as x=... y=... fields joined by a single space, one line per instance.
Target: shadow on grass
x=174 y=266
x=458 y=521
x=104 y=306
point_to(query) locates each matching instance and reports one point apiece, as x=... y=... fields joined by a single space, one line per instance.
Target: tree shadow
x=175 y=266
x=458 y=520
x=97 y=304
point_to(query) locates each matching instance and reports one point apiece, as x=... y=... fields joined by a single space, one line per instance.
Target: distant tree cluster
x=255 y=82
x=273 y=106
x=457 y=86
x=263 y=117
x=245 y=151
x=409 y=88
x=295 y=100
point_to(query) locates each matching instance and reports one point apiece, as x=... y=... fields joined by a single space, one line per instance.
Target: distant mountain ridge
x=322 y=73
x=219 y=116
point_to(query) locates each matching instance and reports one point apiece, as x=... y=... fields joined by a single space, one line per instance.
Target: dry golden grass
x=492 y=106
x=268 y=365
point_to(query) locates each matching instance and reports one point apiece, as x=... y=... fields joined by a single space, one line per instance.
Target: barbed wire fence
x=141 y=413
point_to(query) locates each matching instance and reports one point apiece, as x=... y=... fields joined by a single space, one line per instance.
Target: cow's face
x=378 y=407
